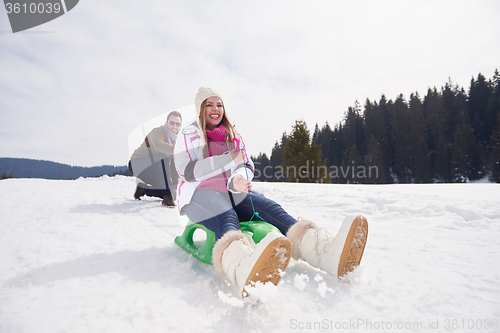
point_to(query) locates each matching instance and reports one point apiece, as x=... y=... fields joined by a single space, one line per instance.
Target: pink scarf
x=217 y=144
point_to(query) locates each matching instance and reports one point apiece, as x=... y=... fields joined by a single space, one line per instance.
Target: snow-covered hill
x=83 y=256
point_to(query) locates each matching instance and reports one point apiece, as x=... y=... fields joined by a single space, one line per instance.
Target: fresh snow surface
x=83 y=256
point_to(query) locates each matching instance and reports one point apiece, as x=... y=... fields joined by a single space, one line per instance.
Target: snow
x=83 y=256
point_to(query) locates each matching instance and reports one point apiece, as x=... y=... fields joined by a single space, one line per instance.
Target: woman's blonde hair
x=226 y=122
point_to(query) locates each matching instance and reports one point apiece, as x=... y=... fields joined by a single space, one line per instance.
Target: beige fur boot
x=237 y=256
x=335 y=255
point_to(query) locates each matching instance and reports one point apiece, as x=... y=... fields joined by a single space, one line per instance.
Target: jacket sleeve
x=190 y=164
x=157 y=143
x=245 y=170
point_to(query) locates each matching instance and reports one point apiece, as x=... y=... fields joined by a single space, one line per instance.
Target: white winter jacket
x=193 y=168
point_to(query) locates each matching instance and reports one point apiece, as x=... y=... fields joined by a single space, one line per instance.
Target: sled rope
x=255 y=213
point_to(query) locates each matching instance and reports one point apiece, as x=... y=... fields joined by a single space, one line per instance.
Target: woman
x=215 y=190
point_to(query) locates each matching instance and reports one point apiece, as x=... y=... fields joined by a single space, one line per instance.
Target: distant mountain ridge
x=29 y=168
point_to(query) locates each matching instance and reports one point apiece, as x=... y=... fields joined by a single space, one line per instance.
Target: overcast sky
x=74 y=89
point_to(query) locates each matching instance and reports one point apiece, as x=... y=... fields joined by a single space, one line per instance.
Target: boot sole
x=271 y=264
x=354 y=246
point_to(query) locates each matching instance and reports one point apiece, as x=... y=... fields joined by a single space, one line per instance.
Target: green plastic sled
x=256 y=229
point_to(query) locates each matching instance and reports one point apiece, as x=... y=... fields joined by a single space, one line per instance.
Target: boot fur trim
x=222 y=244
x=295 y=234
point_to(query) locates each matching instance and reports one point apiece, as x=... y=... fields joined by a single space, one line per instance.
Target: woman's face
x=214 y=111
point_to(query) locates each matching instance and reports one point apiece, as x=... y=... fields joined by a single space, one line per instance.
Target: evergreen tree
x=385 y=139
x=6 y=176
x=374 y=162
x=494 y=103
x=461 y=156
x=495 y=155
x=454 y=101
x=494 y=109
x=325 y=139
x=437 y=125
x=401 y=140
x=352 y=170
x=442 y=161
x=262 y=166
x=354 y=128
x=421 y=167
x=277 y=151
x=376 y=129
x=480 y=93
x=418 y=151
x=338 y=146
x=276 y=159
x=295 y=152
x=320 y=173
x=496 y=81
x=374 y=123
x=495 y=139
x=302 y=158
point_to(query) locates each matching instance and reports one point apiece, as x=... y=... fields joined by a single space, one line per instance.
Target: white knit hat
x=203 y=94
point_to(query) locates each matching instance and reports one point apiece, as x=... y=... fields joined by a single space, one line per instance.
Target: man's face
x=174 y=124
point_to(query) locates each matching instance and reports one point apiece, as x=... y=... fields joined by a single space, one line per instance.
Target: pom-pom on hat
x=203 y=94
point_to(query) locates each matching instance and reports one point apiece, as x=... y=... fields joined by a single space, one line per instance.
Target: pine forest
x=448 y=135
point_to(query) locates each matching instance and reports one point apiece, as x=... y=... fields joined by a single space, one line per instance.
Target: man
x=152 y=163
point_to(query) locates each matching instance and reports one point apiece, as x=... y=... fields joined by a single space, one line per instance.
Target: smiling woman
x=214 y=111
x=214 y=116
x=215 y=191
